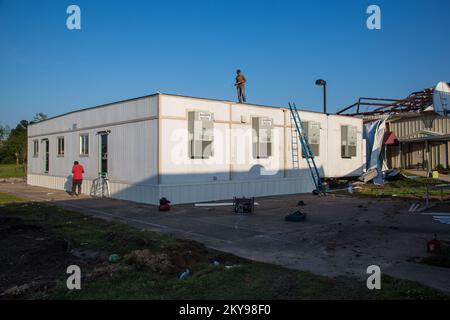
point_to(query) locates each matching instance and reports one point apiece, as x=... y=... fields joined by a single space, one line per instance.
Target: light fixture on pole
x=323 y=83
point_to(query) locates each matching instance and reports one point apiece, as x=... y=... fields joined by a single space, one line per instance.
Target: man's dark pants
x=241 y=93
x=76 y=184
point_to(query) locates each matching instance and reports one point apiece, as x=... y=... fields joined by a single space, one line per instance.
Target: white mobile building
x=190 y=149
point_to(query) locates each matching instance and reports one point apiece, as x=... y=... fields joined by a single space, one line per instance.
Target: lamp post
x=323 y=83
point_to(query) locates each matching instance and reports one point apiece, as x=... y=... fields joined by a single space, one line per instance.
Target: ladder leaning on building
x=306 y=147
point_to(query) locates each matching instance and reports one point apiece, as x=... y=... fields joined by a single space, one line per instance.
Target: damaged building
x=410 y=133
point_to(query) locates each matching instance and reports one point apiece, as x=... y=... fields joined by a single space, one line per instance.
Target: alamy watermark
x=374 y=280
x=374 y=20
x=236 y=149
x=73 y=21
x=74 y=280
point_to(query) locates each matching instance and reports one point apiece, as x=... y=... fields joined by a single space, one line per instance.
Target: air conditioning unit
x=348 y=141
x=312 y=133
x=262 y=137
x=201 y=134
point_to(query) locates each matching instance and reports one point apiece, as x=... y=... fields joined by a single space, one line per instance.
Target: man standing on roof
x=240 y=86
x=77 y=178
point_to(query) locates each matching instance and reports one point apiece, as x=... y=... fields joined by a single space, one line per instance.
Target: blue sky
x=132 y=48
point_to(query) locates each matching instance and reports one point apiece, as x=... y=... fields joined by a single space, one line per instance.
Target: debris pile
x=296 y=216
x=156 y=262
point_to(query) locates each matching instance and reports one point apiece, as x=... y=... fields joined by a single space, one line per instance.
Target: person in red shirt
x=77 y=177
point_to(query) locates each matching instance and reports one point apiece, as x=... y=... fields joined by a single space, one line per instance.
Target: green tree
x=13 y=143
x=16 y=144
x=4 y=133
x=40 y=116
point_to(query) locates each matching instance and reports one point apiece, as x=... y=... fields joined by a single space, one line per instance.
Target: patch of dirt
x=105 y=270
x=185 y=254
x=171 y=259
x=32 y=260
x=175 y=258
x=226 y=258
x=139 y=241
x=156 y=262
x=12 y=180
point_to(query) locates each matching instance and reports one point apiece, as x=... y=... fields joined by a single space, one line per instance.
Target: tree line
x=13 y=142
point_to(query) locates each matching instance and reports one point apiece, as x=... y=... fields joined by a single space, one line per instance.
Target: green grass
x=405 y=188
x=248 y=280
x=91 y=233
x=12 y=171
x=9 y=199
x=251 y=280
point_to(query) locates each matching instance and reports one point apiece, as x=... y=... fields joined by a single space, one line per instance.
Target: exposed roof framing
x=416 y=101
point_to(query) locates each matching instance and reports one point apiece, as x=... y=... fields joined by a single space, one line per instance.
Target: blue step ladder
x=306 y=147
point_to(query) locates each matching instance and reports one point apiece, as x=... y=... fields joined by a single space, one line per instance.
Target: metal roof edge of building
x=94 y=107
x=175 y=95
x=412 y=115
x=251 y=104
x=444 y=137
x=218 y=100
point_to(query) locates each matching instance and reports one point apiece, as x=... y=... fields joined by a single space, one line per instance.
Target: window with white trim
x=35 y=148
x=84 y=145
x=60 y=146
